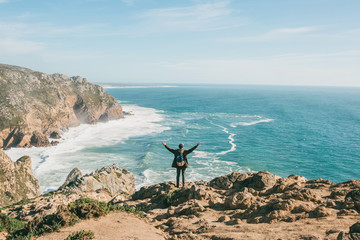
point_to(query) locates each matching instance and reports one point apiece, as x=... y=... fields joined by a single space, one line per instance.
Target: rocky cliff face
x=17 y=181
x=34 y=105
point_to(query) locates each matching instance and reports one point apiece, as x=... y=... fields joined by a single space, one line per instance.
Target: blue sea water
x=308 y=131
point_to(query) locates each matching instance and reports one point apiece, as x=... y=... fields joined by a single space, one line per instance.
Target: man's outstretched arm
x=168 y=148
x=193 y=148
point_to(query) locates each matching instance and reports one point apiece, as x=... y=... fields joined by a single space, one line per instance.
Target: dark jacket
x=177 y=153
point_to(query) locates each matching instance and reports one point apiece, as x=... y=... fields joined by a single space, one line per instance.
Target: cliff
x=17 y=181
x=35 y=105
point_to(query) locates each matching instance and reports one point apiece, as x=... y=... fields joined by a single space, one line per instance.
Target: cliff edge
x=35 y=105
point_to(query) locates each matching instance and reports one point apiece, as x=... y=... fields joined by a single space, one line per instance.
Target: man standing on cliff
x=180 y=161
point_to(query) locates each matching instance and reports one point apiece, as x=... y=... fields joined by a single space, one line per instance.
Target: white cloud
x=332 y=69
x=292 y=30
x=276 y=34
x=14 y=46
x=213 y=15
x=3 y=1
x=196 y=12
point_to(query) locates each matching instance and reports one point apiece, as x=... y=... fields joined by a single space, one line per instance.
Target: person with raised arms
x=180 y=161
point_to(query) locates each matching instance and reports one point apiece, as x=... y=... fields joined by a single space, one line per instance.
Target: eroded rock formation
x=112 y=179
x=17 y=181
x=35 y=105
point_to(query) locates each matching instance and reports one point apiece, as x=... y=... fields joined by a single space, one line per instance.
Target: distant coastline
x=116 y=85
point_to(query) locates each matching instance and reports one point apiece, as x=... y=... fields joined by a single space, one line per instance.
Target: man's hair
x=181 y=145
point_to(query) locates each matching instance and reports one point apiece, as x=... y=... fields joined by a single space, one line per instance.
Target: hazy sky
x=307 y=42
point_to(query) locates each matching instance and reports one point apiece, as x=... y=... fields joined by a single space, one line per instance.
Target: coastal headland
x=35 y=106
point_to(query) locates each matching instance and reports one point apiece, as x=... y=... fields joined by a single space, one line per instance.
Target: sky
x=277 y=42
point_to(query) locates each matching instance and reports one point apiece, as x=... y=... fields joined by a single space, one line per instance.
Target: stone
x=17 y=181
x=222 y=182
x=111 y=179
x=224 y=218
x=55 y=135
x=239 y=201
x=39 y=140
x=355 y=228
x=261 y=180
x=320 y=211
x=72 y=177
x=353 y=199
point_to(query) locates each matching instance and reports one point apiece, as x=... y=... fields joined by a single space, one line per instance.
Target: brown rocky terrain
x=17 y=181
x=104 y=184
x=255 y=205
x=35 y=105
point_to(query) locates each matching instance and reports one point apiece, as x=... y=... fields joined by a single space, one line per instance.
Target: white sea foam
x=230 y=137
x=59 y=159
x=251 y=123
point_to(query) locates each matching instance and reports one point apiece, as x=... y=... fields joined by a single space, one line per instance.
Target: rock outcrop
x=17 y=181
x=35 y=105
x=234 y=206
x=105 y=184
x=218 y=207
x=111 y=179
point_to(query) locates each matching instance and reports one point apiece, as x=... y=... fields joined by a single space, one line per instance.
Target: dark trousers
x=178 y=169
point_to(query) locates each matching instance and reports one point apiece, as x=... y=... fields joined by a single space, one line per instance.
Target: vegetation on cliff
x=34 y=102
x=17 y=181
x=83 y=208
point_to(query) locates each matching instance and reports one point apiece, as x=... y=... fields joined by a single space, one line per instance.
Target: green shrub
x=81 y=235
x=10 y=224
x=169 y=198
x=87 y=208
x=82 y=208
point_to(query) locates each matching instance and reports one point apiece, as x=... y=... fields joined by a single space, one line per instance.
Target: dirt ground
x=122 y=225
x=115 y=225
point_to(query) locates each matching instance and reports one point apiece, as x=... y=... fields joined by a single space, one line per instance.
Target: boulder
x=352 y=199
x=355 y=228
x=73 y=176
x=261 y=180
x=17 y=181
x=192 y=207
x=228 y=181
x=111 y=179
x=241 y=200
x=320 y=211
x=39 y=140
x=55 y=135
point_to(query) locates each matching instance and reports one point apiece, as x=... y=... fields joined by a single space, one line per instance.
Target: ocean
x=308 y=131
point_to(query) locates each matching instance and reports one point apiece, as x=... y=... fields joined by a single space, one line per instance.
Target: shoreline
x=60 y=159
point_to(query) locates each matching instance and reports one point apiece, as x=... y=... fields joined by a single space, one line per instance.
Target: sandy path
x=115 y=225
